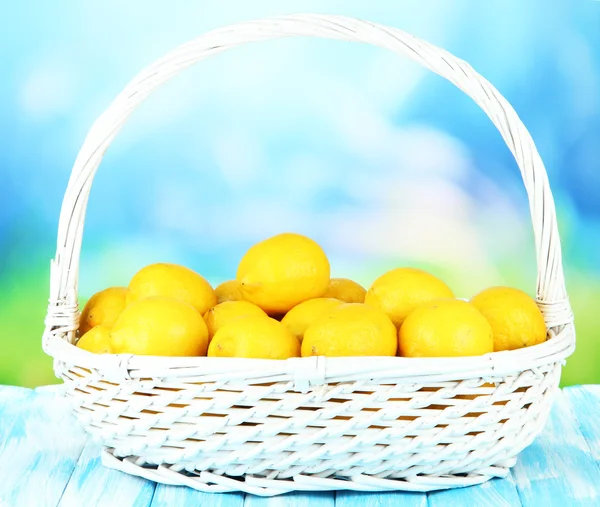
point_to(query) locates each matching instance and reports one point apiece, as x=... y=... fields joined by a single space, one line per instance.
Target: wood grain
x=94 y=485
x=299 y=499
x=558 y=469
x=45 y=461
x=494 y=493
x=585 y=404
x=40 y=443
x=178 y=496
x=387 y=499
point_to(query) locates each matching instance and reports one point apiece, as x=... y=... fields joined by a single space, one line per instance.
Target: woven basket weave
x=269 y=427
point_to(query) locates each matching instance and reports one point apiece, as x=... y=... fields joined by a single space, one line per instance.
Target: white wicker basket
x=269 y=427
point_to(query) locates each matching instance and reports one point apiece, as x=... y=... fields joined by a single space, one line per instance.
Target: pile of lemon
x=284 y=304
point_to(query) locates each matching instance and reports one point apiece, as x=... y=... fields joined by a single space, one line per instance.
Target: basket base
x=212 y=483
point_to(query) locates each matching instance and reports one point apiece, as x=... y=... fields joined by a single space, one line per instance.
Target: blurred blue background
x=379 y=160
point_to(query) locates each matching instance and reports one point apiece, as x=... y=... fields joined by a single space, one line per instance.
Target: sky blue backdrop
x=379 y=160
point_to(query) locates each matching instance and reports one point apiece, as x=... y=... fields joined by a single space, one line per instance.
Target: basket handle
x=551 y=292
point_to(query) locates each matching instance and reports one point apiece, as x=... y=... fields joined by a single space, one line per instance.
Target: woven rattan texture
x=268 y=427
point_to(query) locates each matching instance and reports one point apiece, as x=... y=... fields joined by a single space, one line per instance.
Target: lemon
x=345 y=290
x=351 y=329
x=304 y=314
x=254 y=337
x=445 y=328
x=173 y=281
x=399 y=291
x=228 y=311
x=96 y=340
x=515 y=317
x=160 y=326
x=102 y=308
x=281 y=272
x=228 y=291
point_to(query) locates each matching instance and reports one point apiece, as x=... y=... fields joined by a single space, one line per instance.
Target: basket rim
x=316 y=370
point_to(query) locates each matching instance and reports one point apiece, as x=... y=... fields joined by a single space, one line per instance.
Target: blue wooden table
x=45 y=460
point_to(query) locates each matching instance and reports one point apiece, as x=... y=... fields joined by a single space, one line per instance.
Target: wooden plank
x=558 y=469
x=10 y=399
x=385 y=499
x=40 y=443
x=94 y=485
x=8 y=393
x=180 y=496
x=585 y=404
x=493 y=493
x=10 y=406
x=296 y=499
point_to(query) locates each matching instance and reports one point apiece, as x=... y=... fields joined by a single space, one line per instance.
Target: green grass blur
x=23 y=305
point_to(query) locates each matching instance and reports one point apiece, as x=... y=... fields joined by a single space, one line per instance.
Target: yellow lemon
x=351 y=329
x=345 y=290
x=254 y=337
x=228 y=311
x=281 y=272
x=96 y=340
x=399 y=291
x=445 y=328
x=228 y=291
x=515 y=317
x=304 y=314
x=160 y=326
x=102 y=308
x=172 y=281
